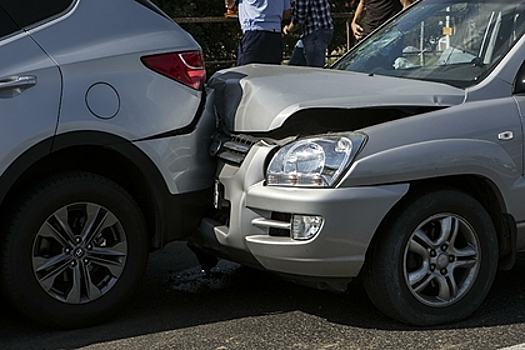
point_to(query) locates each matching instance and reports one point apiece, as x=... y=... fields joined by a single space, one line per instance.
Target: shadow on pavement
x=177 y=295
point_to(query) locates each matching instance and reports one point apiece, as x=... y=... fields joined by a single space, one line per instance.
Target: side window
x=28 y=12
x=7 y=26
x=519 y=83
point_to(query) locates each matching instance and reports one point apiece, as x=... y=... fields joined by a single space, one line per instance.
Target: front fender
x=435 y=158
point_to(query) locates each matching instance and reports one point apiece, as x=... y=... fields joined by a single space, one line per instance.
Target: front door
x=30 y=90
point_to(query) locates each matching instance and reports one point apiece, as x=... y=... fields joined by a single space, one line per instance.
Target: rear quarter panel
x=101 y=43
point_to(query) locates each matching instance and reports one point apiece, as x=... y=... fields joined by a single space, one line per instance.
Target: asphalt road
x=179 y=308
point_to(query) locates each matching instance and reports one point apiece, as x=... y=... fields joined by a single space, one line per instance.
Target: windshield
x=455 y=42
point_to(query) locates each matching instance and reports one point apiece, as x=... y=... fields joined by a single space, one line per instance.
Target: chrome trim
x=506 y=135
x=235 y=150
x=272 y=223
x=243 y=148
x=231 y=157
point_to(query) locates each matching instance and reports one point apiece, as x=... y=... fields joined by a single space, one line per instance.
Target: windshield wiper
x=477 y=62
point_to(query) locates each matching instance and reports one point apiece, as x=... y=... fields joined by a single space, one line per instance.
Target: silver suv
x=103 y=156
x=403 y=163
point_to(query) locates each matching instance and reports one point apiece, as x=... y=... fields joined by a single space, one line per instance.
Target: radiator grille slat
x=235 y=150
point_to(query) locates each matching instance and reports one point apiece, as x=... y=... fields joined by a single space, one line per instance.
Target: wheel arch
x=481 y=189
x=103 y=154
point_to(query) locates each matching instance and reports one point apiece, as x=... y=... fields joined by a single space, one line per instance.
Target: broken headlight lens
x=313 y=162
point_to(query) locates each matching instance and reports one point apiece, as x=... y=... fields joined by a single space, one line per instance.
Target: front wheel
x=435 y=261
x=75 y=249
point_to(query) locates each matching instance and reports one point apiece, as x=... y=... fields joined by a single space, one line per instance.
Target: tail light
x=185 y=67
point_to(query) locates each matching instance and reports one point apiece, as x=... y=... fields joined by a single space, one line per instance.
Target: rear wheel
x=75 y=249
x=435 y=261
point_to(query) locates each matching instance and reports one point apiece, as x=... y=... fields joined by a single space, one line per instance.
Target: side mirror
x=519 y=83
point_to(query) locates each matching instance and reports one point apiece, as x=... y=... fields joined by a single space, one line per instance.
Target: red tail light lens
x=185 y=67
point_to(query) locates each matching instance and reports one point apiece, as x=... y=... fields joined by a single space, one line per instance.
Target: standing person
x=376 y=12
x=260 y=20
x=315 y=20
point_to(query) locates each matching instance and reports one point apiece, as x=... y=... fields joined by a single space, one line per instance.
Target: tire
x=435 y=260
x=74 y=251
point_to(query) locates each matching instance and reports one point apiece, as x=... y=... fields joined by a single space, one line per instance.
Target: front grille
x=235 y=150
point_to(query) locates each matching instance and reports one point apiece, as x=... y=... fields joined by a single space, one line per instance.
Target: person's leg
x=239 y=52
x=315 y=46
x=297 y=58
x=260 y=47
x=245 y=51
x=270 y=48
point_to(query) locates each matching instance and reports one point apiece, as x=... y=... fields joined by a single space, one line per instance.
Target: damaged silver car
x=402 y=163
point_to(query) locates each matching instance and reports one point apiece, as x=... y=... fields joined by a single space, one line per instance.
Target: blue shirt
x=312 y=15
x=262 y=14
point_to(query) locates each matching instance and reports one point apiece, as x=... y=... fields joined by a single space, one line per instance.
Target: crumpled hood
x=259 y=98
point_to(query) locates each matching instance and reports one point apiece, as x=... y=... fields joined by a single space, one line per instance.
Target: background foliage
x=219 y=40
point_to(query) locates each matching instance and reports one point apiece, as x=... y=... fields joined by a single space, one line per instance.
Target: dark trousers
x=313 y=53
x=258 y=46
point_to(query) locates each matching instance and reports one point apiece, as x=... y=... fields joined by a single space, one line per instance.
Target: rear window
x=28 y=12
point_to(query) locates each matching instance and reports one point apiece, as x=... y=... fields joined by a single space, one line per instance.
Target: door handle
x=20 y=82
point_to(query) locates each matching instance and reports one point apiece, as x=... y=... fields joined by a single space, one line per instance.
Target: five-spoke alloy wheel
x=434 y=260
x=441 y=260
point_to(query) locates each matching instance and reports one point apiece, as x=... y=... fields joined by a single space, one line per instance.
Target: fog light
x=306 y=226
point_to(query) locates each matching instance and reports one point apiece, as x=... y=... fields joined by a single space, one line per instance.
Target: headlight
x=313 y=162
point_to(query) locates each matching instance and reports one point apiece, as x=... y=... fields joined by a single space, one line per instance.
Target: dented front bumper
x=254 y=233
